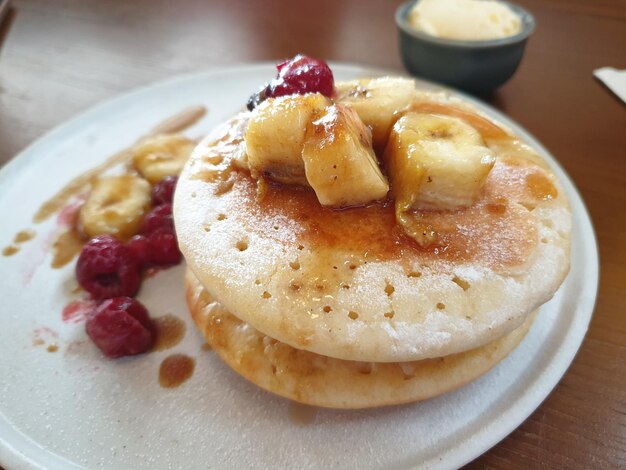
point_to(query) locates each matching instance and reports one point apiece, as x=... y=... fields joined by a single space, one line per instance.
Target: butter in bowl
x=473 y=45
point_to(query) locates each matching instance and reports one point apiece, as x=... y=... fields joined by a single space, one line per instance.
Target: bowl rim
x=527 y=20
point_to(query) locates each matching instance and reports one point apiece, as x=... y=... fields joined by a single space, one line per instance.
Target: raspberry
x=140 y=248
x=121 y=327
x=298 y=75
x=157 y=249
x=106 y=268
x=160 y=217
x=163 y=191
x=302 y=75
x=163 y=248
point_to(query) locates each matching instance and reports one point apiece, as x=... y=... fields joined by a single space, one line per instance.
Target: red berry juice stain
x=68 y=216
x=44 y=335
x=77 y=311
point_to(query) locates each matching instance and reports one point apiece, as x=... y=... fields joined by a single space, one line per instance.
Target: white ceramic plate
x=74 y=409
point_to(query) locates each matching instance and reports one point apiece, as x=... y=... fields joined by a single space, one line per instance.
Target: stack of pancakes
x=339 y=308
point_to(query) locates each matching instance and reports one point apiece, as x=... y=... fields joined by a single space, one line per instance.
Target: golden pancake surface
x=318 y=380
x=349 y=284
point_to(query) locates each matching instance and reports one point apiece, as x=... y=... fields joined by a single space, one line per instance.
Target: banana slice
x=339 y=162
x=377 y=102
x=116 y=205
x=162 y=155
x=436 y=162
x=275 y=136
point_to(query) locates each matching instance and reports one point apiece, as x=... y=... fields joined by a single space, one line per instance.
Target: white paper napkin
x=614 y=79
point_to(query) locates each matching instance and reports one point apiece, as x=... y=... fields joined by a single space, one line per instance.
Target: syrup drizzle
x=176 y=123
x=170 y=331
x=175 y=370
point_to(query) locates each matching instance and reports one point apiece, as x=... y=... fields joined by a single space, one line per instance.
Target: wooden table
x=62 y=56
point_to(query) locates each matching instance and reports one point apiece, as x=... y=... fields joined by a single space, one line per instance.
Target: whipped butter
x=472 y=20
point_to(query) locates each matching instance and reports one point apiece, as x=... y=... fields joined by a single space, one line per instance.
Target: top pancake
x=348 y=283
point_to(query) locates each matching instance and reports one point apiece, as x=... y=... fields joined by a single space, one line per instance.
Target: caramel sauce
x=540 y=186
x=66 y=246
x=10 y=250
x=484 y=126
x=301 y=414
x=76 y=186
x=180 y=121
x=21 y=237
x=176 y=123
x=175 y=370
x=24 y=236
x=497 y=230
x=370 y=233
x=170 y=330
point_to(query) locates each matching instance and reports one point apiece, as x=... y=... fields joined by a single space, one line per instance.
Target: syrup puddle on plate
x=20 y=237
x=175 y=370
x=66 y=247
x=176 y=123
x=170 y=330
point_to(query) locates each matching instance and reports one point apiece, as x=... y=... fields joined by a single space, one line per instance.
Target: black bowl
x=478 y=67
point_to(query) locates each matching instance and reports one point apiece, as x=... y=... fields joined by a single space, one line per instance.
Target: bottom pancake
x=323 y=381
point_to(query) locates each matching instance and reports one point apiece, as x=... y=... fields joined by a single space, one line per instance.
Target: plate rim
x=14 y=457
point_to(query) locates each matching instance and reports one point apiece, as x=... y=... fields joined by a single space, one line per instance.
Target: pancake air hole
x=414 y=274
x=352 y=266
x=544 y=240
x=389 y=289
x=294 y=265
x=295 y=286
x=266 y=295
x=327 y=309
x=461 y=283
x=207 y=228
x=345 y=286
x=389 y=314
x=353 y=315
x=441 y=306
x=242 y=245
x=300 y=247
x=257 y=282
x=221 y=216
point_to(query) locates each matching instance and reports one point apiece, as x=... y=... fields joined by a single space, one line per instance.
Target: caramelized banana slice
x=436 y=162
x=116 y=205
x=339 y=161
x=162 y=155
x=377 y=102
x=275 y=136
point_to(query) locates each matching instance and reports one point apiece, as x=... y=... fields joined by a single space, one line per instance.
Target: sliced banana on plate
x=116 y=206
x=162 y=155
